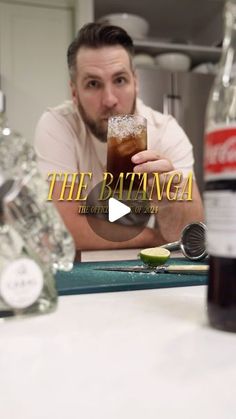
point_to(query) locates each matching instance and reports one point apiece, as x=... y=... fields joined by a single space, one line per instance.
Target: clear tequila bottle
x=25 y=204
x=27 y=287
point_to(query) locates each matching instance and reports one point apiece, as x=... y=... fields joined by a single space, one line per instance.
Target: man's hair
x=97 y=35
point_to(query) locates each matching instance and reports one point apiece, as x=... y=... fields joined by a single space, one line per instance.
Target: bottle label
x=21 y=283
x=220 y=154
x=220 y=210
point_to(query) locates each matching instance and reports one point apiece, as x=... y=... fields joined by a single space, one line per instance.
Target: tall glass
x=126 y=136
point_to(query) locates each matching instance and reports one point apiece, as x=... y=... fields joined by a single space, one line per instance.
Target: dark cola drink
x=127 y=135
x=220 y=189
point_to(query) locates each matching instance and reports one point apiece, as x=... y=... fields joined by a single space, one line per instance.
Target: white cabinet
x=188 y=26
x=195 y=21
x=197 y=53
x=33 y=69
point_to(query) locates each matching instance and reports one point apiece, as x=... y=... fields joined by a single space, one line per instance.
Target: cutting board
x=84 y=278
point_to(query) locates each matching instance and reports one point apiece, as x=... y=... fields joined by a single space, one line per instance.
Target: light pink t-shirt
x=64 y=144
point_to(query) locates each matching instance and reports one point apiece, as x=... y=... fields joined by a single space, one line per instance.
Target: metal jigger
x=192 y=242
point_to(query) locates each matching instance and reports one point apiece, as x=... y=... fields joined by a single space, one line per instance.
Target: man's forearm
x=171 y=219
x=86 y=239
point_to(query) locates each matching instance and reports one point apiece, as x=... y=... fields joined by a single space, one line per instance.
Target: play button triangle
x=116 y=209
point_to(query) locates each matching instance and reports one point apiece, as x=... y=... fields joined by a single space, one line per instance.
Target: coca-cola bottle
x=220 y=177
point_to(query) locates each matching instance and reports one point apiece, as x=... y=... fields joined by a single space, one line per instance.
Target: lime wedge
x=154 y=256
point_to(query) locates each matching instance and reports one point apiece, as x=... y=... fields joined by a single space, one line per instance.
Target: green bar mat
x=84 y=279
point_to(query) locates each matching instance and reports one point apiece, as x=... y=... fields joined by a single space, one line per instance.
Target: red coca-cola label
x=220 y=153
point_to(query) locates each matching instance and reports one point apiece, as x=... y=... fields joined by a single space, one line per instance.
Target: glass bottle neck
x=229 y=44
x=230 y=26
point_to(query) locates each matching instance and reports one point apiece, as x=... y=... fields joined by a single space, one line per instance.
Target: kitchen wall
x=33 y=41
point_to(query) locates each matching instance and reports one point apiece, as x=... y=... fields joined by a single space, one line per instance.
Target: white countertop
x=127 y=355
x=119 y=254
x=102 y=255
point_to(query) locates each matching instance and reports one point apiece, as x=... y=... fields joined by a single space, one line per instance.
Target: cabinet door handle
x=167 y=104
x=172 y=106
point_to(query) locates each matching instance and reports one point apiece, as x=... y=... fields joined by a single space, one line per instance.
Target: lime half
x=154 y=256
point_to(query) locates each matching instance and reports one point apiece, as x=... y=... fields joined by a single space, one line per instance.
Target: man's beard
x=97 y=127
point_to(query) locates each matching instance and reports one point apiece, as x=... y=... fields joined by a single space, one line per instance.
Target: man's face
x=105 y=86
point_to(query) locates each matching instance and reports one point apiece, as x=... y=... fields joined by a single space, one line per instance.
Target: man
x=72 y=137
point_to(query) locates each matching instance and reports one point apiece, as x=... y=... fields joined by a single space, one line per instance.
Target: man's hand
x=149 y=161
x=173 y=215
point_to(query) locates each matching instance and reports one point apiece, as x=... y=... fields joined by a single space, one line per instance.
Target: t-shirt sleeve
x=171 y=141
x=168 y=139
x=54 y=145
x=178 y=147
